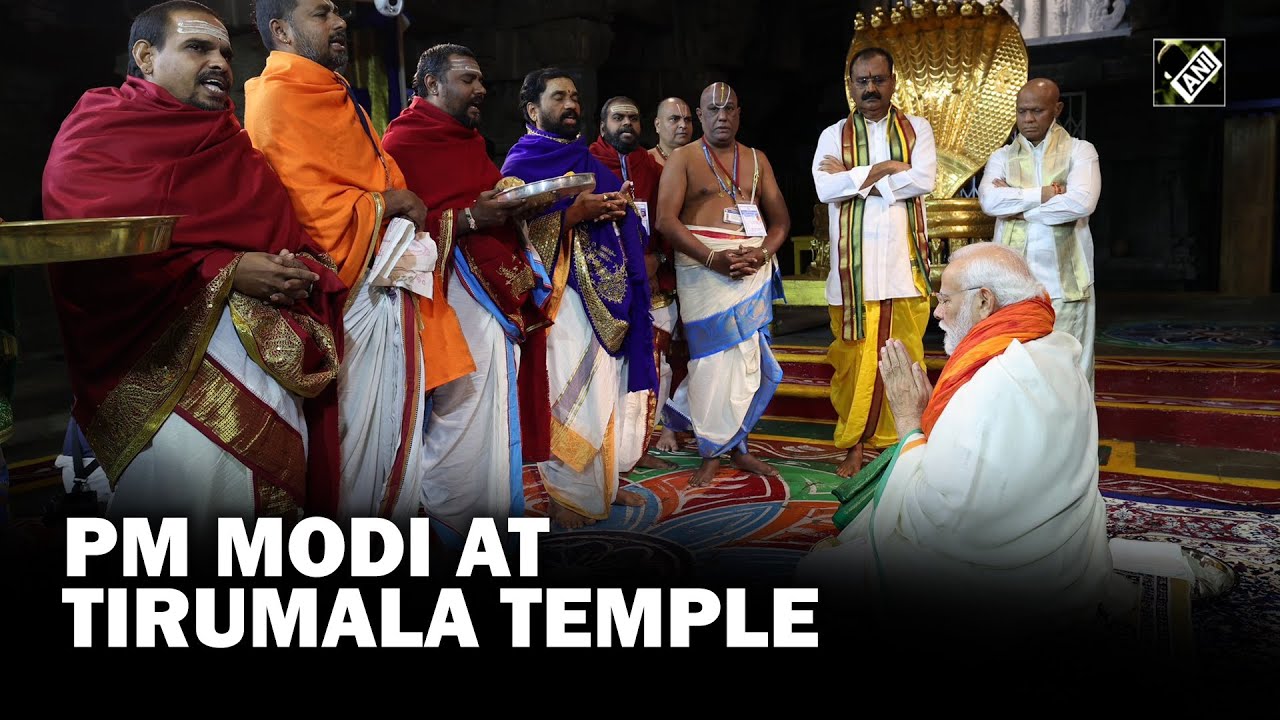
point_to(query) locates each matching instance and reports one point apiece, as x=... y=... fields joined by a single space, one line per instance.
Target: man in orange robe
x=401 y=344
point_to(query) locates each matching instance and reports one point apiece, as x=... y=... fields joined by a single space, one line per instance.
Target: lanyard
x=365 y=124
x=626 y=176
x=731 y=191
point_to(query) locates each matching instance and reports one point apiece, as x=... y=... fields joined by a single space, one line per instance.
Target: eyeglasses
x=877 y=80
x=944 y=298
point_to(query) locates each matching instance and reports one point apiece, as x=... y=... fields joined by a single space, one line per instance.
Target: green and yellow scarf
x=902 y=140
x=1020 y=172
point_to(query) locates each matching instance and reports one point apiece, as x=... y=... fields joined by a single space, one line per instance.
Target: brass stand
x=51 y=241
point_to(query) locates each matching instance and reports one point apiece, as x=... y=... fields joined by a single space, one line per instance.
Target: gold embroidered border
x=650 y=418
x=544 y=235
x=444 y=243
x=134 y=410
x=250 y=430
x=323 y=259
x=609 y=282
x=661 y=298
x=612 y=331
x=275 y=346
x=520 y=281
x=378 y=206
x=608 y=458
x=571 y=448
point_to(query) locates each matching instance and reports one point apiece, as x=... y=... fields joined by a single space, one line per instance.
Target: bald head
x=1038 y=107
x=674 y=124
x=718 y=111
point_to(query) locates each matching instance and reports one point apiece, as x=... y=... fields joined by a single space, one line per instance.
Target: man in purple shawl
x=600 y=355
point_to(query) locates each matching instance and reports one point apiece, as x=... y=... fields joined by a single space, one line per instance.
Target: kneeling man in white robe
x=988 y=508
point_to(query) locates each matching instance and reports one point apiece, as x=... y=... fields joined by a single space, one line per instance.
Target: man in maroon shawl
x=202 y=374
x=484 y=425
x=618 y=148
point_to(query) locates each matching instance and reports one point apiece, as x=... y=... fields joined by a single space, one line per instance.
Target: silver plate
x=551 y=189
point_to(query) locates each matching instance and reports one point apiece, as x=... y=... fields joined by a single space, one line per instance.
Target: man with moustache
x=485 y=424
x=202 y=374
x=403 y=339
x=674 y=123
x=986 y=515
x=618 y=147
x=720 y=206
x=1041 y=188
x=873 y=170
x=600 y=347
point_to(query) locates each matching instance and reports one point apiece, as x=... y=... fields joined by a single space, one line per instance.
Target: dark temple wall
x=1157 y=226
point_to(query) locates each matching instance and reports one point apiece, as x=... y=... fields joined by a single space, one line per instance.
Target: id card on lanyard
x=642 y=207
x=746 y=214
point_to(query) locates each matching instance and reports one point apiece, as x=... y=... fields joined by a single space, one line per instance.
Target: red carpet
x=1219 y=403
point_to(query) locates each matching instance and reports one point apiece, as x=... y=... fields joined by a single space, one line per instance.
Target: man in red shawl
x=618 y=147
x=202 y=374
x=485 y=424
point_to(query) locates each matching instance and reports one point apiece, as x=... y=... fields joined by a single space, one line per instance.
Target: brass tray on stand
x=54 y=241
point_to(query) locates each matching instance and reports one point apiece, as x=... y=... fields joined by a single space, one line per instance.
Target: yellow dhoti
x=857 y=392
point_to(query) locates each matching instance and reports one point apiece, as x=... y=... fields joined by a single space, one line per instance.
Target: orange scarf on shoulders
x=1027 y=320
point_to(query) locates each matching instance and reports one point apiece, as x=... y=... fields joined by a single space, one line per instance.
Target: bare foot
x=852 y=462
x=667 y=441
x=653 y=462
x=705 y=473
x=628 y=498
x=752 y=464
x=568 y=519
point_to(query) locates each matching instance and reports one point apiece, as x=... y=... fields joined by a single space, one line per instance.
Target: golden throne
x=959 y=66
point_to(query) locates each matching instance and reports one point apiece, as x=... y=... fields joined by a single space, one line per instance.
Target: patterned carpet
x=749 y=526
x=1233 y=336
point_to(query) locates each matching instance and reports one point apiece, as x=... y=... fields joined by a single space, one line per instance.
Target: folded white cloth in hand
x=406 y=259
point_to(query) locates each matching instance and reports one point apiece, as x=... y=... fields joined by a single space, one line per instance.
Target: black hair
x=604 y=109
x=152 y=25
x=867 y=53
x=435 y=61
x=535 y=83
x=264 y=11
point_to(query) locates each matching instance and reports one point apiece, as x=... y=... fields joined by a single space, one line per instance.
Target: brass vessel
x=52 y=241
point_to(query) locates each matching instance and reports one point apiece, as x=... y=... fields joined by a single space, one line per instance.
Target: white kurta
x=1000 y=509
x=1084 y=185
x=886 y=254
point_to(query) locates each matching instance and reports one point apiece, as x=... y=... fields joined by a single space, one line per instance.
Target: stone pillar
x=1248 y=204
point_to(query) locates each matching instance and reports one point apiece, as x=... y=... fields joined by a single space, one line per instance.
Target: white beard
x=964 y=322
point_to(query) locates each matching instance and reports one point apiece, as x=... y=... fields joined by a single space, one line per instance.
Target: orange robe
x=303 y=118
